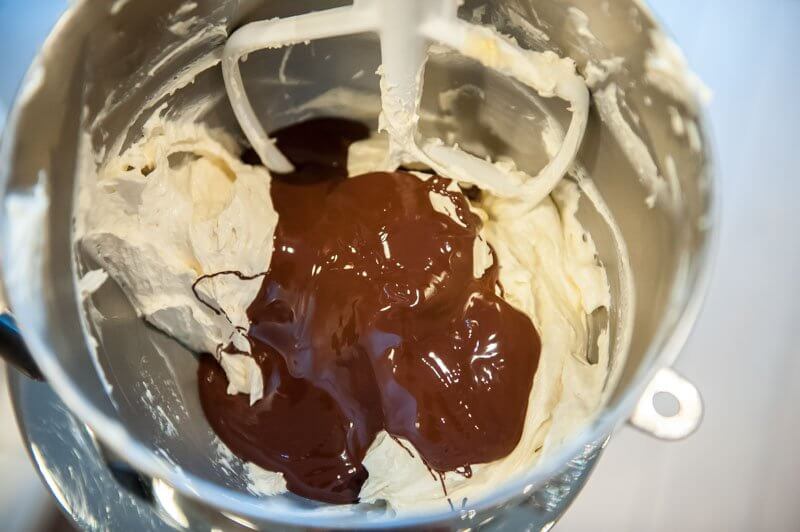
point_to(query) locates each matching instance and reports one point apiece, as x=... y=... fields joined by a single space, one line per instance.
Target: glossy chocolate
x=370 y=318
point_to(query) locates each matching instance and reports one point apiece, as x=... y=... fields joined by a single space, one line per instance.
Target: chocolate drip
x=240 y=275
x=370 y=318
x=403 y=445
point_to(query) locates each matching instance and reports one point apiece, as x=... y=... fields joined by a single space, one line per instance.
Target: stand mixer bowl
x=106 y=67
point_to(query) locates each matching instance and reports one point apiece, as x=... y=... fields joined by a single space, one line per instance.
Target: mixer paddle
x=406 y=30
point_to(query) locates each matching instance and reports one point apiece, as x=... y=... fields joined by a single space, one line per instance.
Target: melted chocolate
x=368 y=319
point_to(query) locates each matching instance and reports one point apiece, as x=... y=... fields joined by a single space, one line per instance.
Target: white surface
x=740 y=470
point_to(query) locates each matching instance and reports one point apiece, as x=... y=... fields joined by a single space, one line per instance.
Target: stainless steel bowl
x=106 y=62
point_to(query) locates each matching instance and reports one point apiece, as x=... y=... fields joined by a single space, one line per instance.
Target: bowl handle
x=13 y=348
x=684 y=422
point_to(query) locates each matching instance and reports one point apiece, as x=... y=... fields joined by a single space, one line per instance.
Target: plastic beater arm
x=545 y=72
x=278 y=33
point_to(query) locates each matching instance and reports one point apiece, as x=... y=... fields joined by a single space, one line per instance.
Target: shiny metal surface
x=67 y=459
x=93 y=52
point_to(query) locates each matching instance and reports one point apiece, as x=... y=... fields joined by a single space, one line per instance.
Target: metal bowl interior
x=106 y=68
